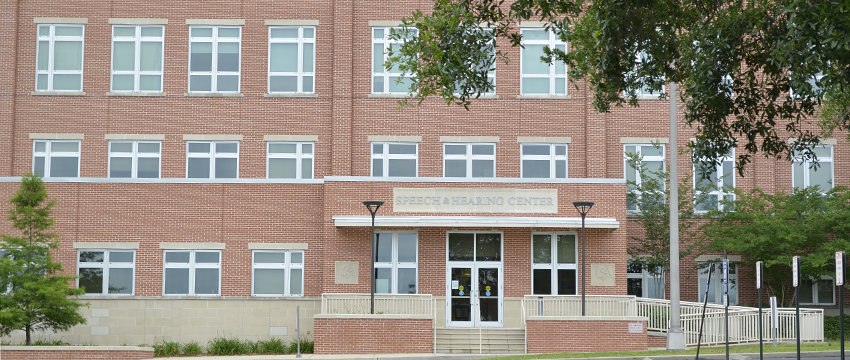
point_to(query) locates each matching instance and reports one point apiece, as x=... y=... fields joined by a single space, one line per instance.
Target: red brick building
x=210 y=160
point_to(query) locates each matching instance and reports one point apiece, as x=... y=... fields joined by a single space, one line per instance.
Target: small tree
x=35 y=291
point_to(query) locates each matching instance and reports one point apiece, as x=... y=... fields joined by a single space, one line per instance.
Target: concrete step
x=485 y=341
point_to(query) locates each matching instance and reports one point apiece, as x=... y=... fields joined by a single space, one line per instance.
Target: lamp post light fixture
x=373 y=206
x=583 y=207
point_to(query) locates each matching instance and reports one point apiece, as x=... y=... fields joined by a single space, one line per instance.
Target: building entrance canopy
x=475 y=221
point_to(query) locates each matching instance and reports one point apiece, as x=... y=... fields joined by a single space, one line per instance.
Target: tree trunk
x=29 y=342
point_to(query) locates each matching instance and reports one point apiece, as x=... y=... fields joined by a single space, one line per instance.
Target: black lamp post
x=583 y=207
x=373 y=206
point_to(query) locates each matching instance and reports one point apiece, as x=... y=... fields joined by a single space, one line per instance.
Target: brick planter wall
x=372 y=335
x=75 y=352
x=591 y=334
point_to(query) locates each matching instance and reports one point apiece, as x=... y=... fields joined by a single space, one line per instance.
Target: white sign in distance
x=839 y=268
x=774 y=314
x=725 y=276
x=453 y=200
x=795 y=270
x=758 y=274
x=636 y=328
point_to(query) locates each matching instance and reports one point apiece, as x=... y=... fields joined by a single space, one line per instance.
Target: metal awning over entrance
x=476 y=221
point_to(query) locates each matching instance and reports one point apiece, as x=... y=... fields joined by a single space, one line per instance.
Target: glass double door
x=475 y=295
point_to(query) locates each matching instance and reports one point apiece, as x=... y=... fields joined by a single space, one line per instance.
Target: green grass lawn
x=736 y=349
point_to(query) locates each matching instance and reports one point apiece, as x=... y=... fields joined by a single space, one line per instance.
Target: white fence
x=360 y=304
x=570 y=305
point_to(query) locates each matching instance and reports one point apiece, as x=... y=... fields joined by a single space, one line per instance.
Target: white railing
x=360 y=304
x=570 y=305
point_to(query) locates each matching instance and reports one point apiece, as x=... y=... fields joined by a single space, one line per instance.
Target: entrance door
x=474 y=274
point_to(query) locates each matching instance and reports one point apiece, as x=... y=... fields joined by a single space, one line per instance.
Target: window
x=708 y=193
x=394 y=159
x=644 y=90
x=486 y=63
x=817 y=291
x=59 y=59
x=214 y=58
x=643 y=283
x=813 y=83
x=395 y=266
x=554 y=264
x=212 y=159
x=278 y=273
x=192 y=272
x=106 y=272
x=715 y=292
x=469 y=160
x=5 y=283
x=290 y=160
x=56 y=158
x=292 y=54
x=384 y=80
x=540 y=78
x=805 y=174
x=652 y=160
x=137 y=58
x=544 y=161
x=134 y=159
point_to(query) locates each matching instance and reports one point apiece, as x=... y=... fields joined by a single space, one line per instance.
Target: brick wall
x=373 y=336
x=552 y=336
x=63 y=353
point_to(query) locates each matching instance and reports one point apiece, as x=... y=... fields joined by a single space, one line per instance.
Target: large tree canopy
x=736 y=61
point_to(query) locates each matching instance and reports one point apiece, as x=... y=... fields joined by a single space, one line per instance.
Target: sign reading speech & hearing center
x=515 y=201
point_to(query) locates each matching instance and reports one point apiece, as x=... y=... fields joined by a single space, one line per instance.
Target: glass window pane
x=488 y=247
x=226 y=148
x=483 y=149
x=40 y=146
x=536 y=150
x=120 y=256
x=200 y=83
x=227 y=83
x=309 y=32
x=149 y=148
x=382 y=280
x=542 y=249
x=307 y=84
x=120 y=167
x=278 y=257
x=65 y=146
x=377 y=167
x=560 y=86
x=150 y=57
x=284 y=33
x=377 y=84
x=535 y=34
x=378 y=33
x=307 y=168
x=296 y=257
x=483 y=168
x=399 y=87
x=201 y=32
x=377 y=58
x=650 y=150
x=38 y=166
x=282 y=148
x=535 y=85
x=124 y=31
x=69 y=31
x=41 y=82
x=43 y=55
x=67 y=82
x=455 y=149
x=461 y=246
x=123 y=56
x=566 y=249
x=309 y=58
x=123 y=83
x=120 y=281
x=176 y=281
x=150 y=83
x=406 y=281
x=91 y=280
x=542 y=282
x=560 y=169
x=225 y=168
x=283 y=57
x=377 y=148
x=283 y=83
x=68 y=55
x=91 y=256
x=402 y=167
x=825 y=289
x=269 y=281
x=198 y=168
x=822 y=152
x=151 y=31
x=206 y=281
x=396 y=149
x=228 y=32
x=535 y=169
x=307 y=148
x=406 y=248
x=177 y=257
x=455 y=168
x=201 y=56
x=384 y=246
x=121 y=147
x=199 y=148
x=806 y=292
x=822 y=176
x=295 y=282
x=282 y=168
x=61 y=166
x=206 y=257
x=634 y=287
x=44 y=30
x=566 y=282
x=531 y=63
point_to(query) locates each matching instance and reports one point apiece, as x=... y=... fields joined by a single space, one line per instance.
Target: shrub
x=192 y=349
x=223 y=346
x=832 y=329
x=271 y=346
x=165 y=349
x=306 y=346
x=48 y=342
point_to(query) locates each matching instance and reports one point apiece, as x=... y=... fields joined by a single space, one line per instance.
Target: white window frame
x=51 y=39
x=814 y=289
x=385 y=156
x=553 y=158
x=469 y=157
x=299 y=157
x=106 y=265
x=644 y=158
x=646 y=278
x=806 y=165
x=135 y=155
x=813 y=82
x=137 y=72
x=48 y=154
x=299 y=73
x=717 y=281
x=287 y=266
x=640 y=92
x=386 y=74
x=212 y=155
x=554 y=265
x=214 y=73
x=722 y=184
x=191 y=265
x=394 y=264
x=552 y=43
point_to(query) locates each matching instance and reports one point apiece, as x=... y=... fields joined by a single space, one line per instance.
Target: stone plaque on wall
x=346 y=272
x=447 y=200
x=602 y=275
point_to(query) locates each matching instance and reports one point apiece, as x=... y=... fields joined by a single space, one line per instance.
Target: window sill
x=228 y=95
x=290 y=95
x=58 y=93
x=392 y=96
x=649 y=97
x=544 y=97
x=139 y=94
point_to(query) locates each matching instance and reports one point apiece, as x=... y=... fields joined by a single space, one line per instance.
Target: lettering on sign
x=451 y=200
x=636 y=328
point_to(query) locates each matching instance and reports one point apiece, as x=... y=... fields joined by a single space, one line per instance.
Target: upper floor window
x=386 y=80
x=394 y=159
x=719 y=185
x=192 y=272
x=715 y=291
x=553 y=265
x=212 y=159
x=644 y=283
x=214 y=53
x=644 y=90
x=56 y=158
x=395 y=265
x=652 y=161
x=476 y=160
x=544 y=161
x=137 y=58
x=290 y=160
x=538 y=77
x=134 y=159
x=59 y=58
x=817 y=291
x=807 y=173
x=278 y=273
x=292 y=57
x=106 y=272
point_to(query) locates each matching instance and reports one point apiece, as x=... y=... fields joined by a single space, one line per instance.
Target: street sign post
x=758 y=286
x=839 y=281
x=795 y=270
